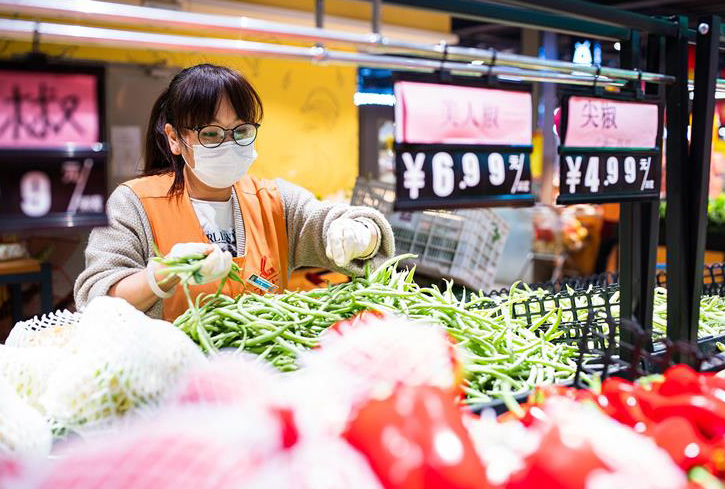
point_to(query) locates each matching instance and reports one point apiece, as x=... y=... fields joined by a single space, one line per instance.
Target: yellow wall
x=356 y=9
x=309 y=134
x=310 y=131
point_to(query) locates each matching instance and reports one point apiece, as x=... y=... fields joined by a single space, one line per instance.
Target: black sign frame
x=455 y=202
x=51 y=161
x=603 y=153
x=47 y=65
x=43 y=157
x=493 y=199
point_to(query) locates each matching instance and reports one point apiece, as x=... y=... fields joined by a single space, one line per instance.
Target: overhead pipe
x=133 y=15
x=27 y=30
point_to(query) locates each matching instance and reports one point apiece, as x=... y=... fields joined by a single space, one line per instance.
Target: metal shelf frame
x=654 y=60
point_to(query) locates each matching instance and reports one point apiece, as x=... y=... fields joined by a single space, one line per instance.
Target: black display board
x=53 y=159
x=598 y=162
x=452 y=148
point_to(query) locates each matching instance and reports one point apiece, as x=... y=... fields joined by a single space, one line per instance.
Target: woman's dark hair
x=191 y=100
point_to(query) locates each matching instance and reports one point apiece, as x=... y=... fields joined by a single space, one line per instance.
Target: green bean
x=503 y=353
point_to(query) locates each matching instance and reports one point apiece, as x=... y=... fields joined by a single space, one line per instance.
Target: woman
x=195 y=197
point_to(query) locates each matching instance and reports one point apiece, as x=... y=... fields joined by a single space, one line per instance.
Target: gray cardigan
x=125 y=246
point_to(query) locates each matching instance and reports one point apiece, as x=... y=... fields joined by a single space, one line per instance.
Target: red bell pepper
x=620 y=400
x=686 y=446
x=704 y=412
x=415 y=439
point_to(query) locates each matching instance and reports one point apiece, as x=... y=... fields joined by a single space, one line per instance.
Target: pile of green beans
x=503 y=355
x=712 y=314
x=712 y=308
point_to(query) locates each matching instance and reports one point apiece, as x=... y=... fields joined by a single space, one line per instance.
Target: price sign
x=446 y=176
x=461 y=146
x=611 y=150
x=42 y=189
x=52 y=160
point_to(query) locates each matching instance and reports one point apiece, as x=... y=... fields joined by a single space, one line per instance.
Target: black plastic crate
x=705 y=356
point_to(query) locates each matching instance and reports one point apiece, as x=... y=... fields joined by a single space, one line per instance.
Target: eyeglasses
x=212 y=135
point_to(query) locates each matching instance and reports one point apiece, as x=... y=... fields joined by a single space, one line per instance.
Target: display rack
x=654 y=62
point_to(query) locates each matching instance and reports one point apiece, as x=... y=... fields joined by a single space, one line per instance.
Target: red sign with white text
x=429 y=113
x=605 y=123
x=47 y=110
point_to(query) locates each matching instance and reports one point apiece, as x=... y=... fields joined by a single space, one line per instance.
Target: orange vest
x=173 y=220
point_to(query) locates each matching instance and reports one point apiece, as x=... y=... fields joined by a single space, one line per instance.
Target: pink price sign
x=39 y=109
x=603 y=123
x=428 y=113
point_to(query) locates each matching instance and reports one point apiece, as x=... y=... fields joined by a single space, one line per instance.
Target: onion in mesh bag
x=28 y=370
x=23 y=430
x=118 y=362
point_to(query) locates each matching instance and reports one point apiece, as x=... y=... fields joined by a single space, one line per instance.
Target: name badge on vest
x=261 y=283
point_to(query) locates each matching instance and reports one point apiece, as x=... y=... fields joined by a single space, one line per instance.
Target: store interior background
x=326 y=124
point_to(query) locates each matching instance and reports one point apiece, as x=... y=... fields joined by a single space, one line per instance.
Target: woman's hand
x=144 y=288
x=350 y=239
x=215 y=266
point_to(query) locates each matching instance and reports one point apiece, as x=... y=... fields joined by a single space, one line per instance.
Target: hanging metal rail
x=27 y=30
x=134 y=16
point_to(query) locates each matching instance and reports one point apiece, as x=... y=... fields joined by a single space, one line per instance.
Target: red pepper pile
x=683 y=411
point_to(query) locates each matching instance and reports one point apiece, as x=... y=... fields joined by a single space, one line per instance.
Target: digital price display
x=52 y=159
x=461 y=146
x=446 y=176
x=611 y=150
x=42 y=188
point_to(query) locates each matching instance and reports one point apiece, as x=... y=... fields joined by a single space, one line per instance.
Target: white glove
x=180 y=250
x=348 y=239
x=214 y=267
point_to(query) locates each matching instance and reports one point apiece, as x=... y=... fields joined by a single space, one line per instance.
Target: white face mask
x=222 y=166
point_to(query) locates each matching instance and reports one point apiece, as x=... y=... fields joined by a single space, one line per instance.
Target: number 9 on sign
x=496 y=169
x=35 y=197
x=471 y=170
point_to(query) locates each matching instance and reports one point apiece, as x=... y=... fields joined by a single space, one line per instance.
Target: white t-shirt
x=217 y=221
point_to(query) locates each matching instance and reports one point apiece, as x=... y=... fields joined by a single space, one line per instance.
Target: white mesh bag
x=54 y=329
x=118 y=362
x=199 y=447
x=23 y=430
x=28 y=370
x=325 y=463
x=365 y=362
x=386 y=351
x=229 y=379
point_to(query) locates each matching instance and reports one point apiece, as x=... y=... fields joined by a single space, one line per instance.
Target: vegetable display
x=712 y=314
x=503 y=354
x=113 y=364
x=682 y=411
x=715 y=211
x=344 y=421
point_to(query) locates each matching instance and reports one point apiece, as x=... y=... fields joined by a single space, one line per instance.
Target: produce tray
x=706 y=355
x=713 y=279
x=583 y=310
x=599 y=280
